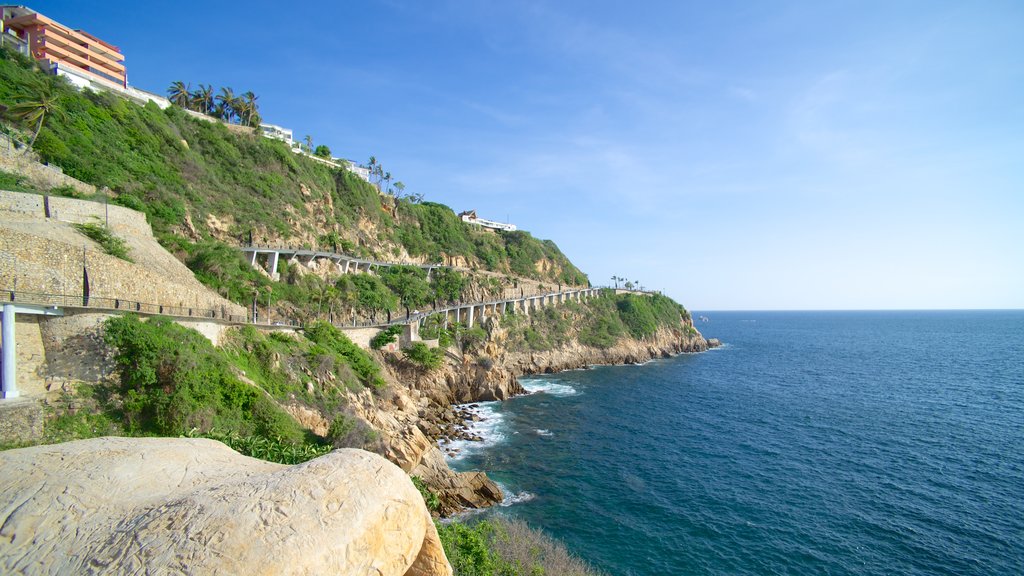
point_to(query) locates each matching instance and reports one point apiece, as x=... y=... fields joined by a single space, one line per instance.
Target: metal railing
x=120 y=304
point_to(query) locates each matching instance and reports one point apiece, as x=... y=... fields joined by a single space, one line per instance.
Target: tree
x=309 y=143
x=203 y=98
x=447 y=284
x=249 y=110
x=409 y=283
x=34 y=106
x=629 y=285
x=387 y=181
x=179 y=94
x=372 y=294
x=322 y=151
x=399 y=189
x=227 y=104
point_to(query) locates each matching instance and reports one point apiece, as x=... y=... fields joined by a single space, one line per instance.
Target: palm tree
x=387 y=180
x=34 y=106
x=179 y=94
x=202 y=99
x=249 y=107
x=226 y=103
x=309 y=143
x=399 y=189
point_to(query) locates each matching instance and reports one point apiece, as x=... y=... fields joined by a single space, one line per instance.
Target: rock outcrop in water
x=194 y=506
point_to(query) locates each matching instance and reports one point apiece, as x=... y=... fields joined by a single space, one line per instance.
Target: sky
x=736 y=155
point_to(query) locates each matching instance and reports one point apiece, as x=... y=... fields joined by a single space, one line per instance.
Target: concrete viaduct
x=346 y=264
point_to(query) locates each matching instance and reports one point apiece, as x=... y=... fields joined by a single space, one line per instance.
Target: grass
x=101 y=235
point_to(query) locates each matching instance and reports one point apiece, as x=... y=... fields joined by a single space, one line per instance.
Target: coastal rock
x=194 y=506
x=456 y=490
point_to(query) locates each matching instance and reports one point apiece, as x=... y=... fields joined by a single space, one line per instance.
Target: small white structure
x=361 y=171
x=278 y=133
x=471 y=217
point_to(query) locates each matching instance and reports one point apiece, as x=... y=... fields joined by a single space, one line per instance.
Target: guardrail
x=119 y=304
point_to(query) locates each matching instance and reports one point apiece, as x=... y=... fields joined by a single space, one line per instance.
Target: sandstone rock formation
x=194 y=506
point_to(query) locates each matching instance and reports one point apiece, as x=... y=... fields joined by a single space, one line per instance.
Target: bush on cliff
x=503 y=547
x=173 y=381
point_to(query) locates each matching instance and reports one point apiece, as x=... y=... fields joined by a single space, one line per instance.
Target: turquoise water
x=812 y=443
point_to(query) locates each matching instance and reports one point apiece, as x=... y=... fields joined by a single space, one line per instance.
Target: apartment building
x=63 y=49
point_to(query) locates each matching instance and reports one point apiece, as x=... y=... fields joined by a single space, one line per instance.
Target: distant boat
x=704 y=319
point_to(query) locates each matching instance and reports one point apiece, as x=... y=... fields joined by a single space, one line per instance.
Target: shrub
x=334 y=340
x=386 y=336
x=501 y=547
x=429 y=498
x=173 y=381
x=101 y=235
x=423 y=356
x=472 y=337
x=350 y=431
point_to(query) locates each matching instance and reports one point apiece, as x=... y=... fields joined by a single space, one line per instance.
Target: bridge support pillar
x=469 y=320
x=273 y=265
x=10 y=385
x=252 y=259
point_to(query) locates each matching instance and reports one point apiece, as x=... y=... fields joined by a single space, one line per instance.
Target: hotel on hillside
x=83 y=58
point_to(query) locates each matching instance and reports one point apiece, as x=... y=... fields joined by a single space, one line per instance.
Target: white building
x=471 y=217
x=278 y=133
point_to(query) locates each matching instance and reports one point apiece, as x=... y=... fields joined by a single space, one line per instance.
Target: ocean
x=810 y=443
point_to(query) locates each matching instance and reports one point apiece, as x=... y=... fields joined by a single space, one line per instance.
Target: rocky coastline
x=430 y=410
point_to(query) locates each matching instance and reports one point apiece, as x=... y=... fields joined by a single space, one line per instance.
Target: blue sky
x=737 y=155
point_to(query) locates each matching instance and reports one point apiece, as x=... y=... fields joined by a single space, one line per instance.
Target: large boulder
x=194 y=506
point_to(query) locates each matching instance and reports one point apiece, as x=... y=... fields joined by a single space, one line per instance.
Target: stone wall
x=21 y=421
x=46 y=255
x=30 y=355
x=75 y=351
x=41 y=176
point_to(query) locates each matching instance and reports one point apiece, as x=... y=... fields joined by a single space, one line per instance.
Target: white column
x=273 y=265
x=252 y=259
x=10 y=386
x=469 y=320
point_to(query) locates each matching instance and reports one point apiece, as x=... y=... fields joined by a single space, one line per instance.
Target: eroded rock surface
x=194 y=506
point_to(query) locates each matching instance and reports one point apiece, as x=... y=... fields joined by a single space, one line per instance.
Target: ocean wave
x=547 y=386
x=512 y=498
x=490 y=428
x=544 y=433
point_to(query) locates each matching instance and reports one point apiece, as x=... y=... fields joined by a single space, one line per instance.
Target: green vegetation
x=423 y=356
x=502 y=547
x=172 y=166
x=270 y=449
x=386 y=336
x=429 y=498
x=331 y=340
x=15 y=183
x=101 y=235
x=224 y=106
x=173 y=381
x=598 y=322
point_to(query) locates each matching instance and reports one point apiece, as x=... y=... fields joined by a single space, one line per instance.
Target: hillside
x=205 y=186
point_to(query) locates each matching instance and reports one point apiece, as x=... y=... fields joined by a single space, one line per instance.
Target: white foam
x=490 y=427
x=544 y=433
x=512 y=498
x=547 y=386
